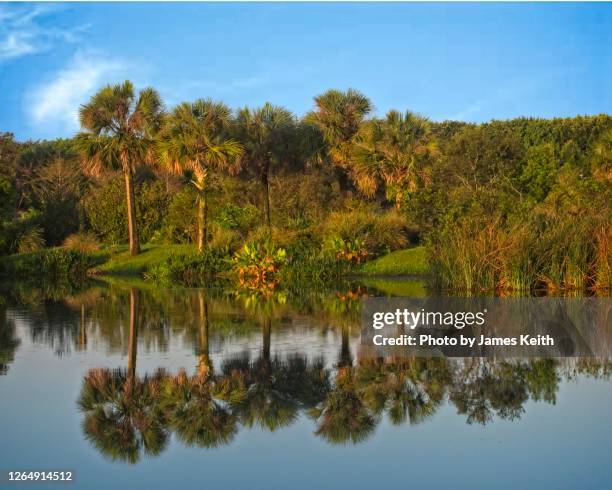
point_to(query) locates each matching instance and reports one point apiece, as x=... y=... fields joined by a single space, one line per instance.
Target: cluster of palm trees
x=122 y=129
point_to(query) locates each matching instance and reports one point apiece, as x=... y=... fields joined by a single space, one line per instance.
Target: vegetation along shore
x=260 y=197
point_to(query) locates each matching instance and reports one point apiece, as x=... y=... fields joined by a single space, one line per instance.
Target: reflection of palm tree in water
x=204 y=364
x=363 y=393
x=192 y=411
x=269 y=392
x=122 y=418
x=343 y=416
x=82 y=340
x=134 y=324
x=266 y=403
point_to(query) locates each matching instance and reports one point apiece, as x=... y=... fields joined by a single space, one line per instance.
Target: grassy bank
x=407 y=262
x=118 y=260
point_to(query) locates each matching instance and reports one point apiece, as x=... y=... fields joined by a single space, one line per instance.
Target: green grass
x=407 y=262
x=398 y=287
x=120 y=262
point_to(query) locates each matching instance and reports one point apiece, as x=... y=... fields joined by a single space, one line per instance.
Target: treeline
x=508 y=204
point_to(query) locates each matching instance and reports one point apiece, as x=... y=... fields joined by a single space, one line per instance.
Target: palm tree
x=122 y=416
x=195 y=137
x=266 y=134
x=118 y=135
x=391 y=151
x=343 y=417
x=339 y=116
x=196 y=417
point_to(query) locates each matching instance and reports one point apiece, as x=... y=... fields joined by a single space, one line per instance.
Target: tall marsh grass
x=478 y=256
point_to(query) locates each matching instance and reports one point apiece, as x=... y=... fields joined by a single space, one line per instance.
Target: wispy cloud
x=55 y=103
x=22 y=31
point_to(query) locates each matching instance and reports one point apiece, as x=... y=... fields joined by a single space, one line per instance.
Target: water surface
x=133 y=387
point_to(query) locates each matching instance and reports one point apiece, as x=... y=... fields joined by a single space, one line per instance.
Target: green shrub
x=379 y=233
x=48 y=263
x=105 y=210
x=31 y=240
x=258 y=267
x=231 y=217
x=225 y=241
x=190 y=269
x=180 y=224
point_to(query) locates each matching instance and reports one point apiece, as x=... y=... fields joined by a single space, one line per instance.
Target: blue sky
x=472 y=62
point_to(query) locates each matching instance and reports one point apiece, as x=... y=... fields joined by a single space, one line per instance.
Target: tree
x=266 y=134
x=339 y=116
x=119 y=130
x=195 y=137
x=391 y=151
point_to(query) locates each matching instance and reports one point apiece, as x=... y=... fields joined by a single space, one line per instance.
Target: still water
x=131 y=387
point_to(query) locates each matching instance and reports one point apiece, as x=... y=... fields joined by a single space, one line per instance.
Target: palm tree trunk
x=82 y=331
x=266 y=184
x=131 y=211
x=202 y=221
x=205 y=366
x=346 y=359
x=134 y=317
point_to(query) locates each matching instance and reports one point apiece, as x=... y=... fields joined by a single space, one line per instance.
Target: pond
x=129 y=386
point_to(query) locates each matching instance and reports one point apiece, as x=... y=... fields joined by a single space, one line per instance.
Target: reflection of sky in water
x=565 y=445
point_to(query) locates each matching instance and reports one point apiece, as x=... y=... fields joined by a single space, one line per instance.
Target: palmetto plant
x=266 y=134
x=195 y=138
x=118 y=134
x=391 y=152
x=339 y=116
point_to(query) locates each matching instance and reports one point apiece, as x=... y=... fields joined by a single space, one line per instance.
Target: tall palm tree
x=266 y=134
x=195 y=137
x=119 y=128
x=339 y=116
x=392 y=152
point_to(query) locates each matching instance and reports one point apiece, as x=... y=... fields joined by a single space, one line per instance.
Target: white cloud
x=15 y=45
x=21 y=32
x=55 y=104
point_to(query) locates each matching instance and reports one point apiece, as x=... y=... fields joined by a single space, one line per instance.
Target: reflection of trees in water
x=71 y=320
x=123 y=416
x=8 y=341
x=126 y=416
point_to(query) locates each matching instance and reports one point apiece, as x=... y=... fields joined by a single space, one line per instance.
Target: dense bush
x=105 y=210
x=49 y=263
x=190 y=269
x=378 y=232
